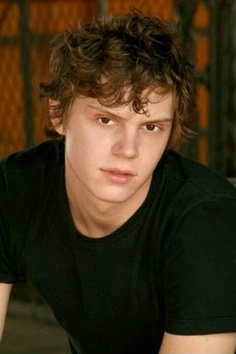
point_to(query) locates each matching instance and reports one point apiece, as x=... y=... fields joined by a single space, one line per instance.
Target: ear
x=56 y=120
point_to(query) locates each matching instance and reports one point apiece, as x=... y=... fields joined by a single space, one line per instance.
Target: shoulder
x=201 y=215
x=198 y=250
x=28 y=169
x=46 y=153
x=29 y=180
x=196 y=179
x=195 y=200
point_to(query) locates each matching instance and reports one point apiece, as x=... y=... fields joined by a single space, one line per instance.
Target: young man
x=132 y=246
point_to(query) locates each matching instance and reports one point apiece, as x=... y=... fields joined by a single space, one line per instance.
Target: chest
x=99 y=294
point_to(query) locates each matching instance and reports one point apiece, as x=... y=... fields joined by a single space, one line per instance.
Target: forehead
x=158 y=106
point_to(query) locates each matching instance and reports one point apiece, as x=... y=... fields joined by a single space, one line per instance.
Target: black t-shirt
x=171 y=267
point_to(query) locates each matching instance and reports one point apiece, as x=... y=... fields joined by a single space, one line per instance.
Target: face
x=111 y=153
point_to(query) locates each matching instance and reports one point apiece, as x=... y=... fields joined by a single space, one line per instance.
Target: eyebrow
x=107 y=111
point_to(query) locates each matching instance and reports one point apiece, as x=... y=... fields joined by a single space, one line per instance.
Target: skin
x=220 y=343
x=110 y=156
x=5 y=290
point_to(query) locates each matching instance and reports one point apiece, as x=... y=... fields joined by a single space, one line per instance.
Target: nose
x=126 y=144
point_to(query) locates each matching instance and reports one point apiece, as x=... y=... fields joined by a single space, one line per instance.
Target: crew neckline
x=125 y=229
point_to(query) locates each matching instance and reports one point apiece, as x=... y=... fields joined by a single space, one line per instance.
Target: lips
x=117 y=171
x=117 y=175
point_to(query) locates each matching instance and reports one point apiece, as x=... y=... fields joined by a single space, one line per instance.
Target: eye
x=152 y=127
x=105 y=120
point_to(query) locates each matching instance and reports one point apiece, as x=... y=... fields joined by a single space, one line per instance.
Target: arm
x=5 y=290
x=222 y=343
x=200 y=289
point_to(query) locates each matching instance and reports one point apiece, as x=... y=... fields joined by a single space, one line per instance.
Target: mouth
x=118 y=176
x=117 y=171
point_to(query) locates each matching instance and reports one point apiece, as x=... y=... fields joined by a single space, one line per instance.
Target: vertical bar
x=225 y=73
x=214 y=85
x=221 y=83
x=101 y=8
x=233 y=126
x=186 y=12
x=26 y=71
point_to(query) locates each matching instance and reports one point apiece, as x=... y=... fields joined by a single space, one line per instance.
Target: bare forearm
x=222 y=343
x=5 y=290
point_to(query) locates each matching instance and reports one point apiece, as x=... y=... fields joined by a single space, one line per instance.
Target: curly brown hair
x=121 y=60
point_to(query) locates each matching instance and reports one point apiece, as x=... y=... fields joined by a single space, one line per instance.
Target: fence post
x=25 y=42
x=222 y=139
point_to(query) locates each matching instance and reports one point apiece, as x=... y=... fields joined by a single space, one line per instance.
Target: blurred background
x=26 y=28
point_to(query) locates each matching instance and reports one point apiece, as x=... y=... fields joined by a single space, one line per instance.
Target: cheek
x=152 y=154
x=155 y=148
x=150 y=158
x=82 y=146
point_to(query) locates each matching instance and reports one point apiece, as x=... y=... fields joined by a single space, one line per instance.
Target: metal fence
x=222 y=82
x=26 y=27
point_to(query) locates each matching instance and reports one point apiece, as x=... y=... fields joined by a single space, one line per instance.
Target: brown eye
x=151 y=127
x=105 y=120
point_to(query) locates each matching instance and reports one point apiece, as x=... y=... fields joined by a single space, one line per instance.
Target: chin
x=113 y=200
x=113 y=197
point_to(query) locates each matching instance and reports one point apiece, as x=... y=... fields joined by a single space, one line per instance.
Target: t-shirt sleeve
x=7 y=272
x=200 y=271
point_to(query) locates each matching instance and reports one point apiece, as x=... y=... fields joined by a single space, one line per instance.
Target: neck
x=96 y=218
